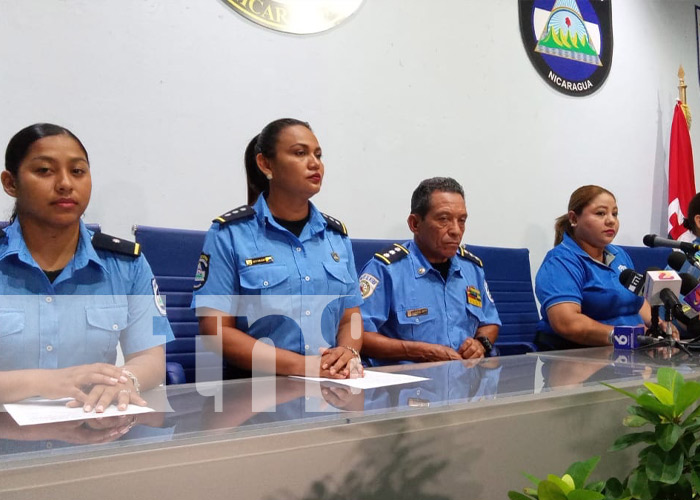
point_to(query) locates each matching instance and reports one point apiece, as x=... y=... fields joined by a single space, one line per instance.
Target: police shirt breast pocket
x=265 y=279
x=339 y=279
x=11 y=326
x=104 y=324
x=420 y=321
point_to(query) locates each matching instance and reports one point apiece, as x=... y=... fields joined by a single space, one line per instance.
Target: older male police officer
x=427 y=299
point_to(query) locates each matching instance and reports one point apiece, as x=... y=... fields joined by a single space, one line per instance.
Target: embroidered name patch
x=259 y=260
x=412 y=313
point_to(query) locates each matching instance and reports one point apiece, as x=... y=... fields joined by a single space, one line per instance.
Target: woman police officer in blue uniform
x=68 y=296
x=280 y=269
x=578 y=283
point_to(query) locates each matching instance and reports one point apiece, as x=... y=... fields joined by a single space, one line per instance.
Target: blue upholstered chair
x=173 y=256
x=645 y=257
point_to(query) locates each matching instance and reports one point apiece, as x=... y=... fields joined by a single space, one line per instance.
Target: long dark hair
x=22 y=141
x=264 y=143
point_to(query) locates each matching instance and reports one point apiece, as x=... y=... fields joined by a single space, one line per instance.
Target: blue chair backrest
x=364 y=250
x=646 y=257
x=510 y=282
x=173 y=256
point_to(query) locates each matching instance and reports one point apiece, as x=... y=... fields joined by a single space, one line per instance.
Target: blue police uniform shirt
x=569 y=274
x=409 y=300
x=100 y=299
x=291 y=290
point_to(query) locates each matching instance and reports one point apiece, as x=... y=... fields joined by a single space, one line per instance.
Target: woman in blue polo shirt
x=68 y=296
x=578 y=283
x=280 y=271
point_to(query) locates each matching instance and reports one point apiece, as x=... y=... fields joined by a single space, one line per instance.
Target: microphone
x=652 y=240
x=632 y=281
x=671 y=303
x=676 y=261
x=690 y=288
x=656 y=281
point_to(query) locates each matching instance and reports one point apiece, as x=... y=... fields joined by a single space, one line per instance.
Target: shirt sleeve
x=559 y=280
x=147 y=324
x=216 y=282
x=489 y=307
x=354 y=298
x=375 y=287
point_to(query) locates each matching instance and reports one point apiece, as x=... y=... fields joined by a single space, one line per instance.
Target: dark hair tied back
x=264 y=143
x=22 y=141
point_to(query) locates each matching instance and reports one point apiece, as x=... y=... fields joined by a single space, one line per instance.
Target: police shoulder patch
x=368 y=283
x=200 y=277
x=392 y=253
x=335 y=224
x=102 y=241
x=466 y=254
x=240 y=213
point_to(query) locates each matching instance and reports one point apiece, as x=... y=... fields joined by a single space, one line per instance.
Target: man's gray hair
x=420 y=199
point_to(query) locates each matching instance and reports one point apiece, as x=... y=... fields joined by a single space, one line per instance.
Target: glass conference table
x=471 y=426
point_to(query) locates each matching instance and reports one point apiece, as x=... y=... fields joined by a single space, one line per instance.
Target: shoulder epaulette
x=466 y=254
x=102 y=241
x=2 y=234
x=240 y=213
x=392 y=253
x=335 y=224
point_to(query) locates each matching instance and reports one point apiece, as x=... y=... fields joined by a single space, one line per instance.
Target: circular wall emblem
x=296 y=16
x=570 y=42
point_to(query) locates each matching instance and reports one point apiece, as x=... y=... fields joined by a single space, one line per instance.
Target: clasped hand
x=94 y=386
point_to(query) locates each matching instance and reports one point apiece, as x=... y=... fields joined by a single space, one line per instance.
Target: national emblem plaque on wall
x=570 y=42
x=296 y=16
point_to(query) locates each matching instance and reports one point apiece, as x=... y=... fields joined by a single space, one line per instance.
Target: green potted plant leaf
x=668 y=466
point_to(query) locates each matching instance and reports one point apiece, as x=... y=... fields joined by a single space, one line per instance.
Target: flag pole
x=682 y=96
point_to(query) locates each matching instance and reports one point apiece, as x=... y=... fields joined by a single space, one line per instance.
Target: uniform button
x=308 y=313
x=417 y=320
x=307 y=347
x=298 y=249
x=115 y=327
x=49 y=445
x=49 y=299
x=417 y=392
x=265 y=283
x=49 y=348
x=307 y=278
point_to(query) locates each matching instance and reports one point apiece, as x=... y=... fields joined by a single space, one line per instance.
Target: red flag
x=681 y=176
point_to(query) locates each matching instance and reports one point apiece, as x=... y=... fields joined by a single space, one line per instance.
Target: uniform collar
x=421 y=265
x=609 y=252
x=15 y=245
x=316 y=222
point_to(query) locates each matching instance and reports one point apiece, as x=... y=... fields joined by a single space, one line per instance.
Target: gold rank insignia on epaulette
x=392 y=253
x=335 y=224
x=242 y=212
x=102 y=241
x=466 y=254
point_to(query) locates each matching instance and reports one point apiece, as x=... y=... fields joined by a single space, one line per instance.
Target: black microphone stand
x=664 y=338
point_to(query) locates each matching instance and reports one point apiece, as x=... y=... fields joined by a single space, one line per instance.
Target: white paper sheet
x=371 y=380
x=45 y=411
